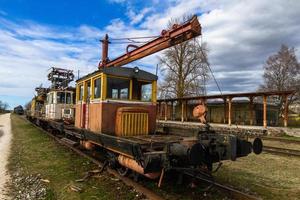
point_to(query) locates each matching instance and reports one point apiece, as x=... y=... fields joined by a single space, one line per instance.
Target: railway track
x=139 y=188
x=280 y=139
x=234 y=193
x=281 y=151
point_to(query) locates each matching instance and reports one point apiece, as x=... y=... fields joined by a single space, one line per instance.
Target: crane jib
x=168 y=38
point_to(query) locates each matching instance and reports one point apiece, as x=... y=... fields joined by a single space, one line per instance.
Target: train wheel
x=123 y=171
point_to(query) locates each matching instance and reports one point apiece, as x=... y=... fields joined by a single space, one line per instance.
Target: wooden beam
x=229 y=111
x=182 y=111
x=251 y=110
x=286 y=111
x=158 y=110
x=186 y=111
x=172 y=110
x=225 y=116
x=166 y=111
x=232 y=95
x=265 y=111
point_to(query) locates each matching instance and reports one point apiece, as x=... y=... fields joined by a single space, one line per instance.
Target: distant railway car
x=60 y=104
x=19 y=110
x=37 y=103
x=57 y=102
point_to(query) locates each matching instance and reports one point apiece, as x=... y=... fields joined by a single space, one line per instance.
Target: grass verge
x=42 y=169
x=269 y=176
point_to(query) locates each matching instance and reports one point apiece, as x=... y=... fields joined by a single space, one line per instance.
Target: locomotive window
x=50 y=98
x=124 y=93
x=88 y=87
x=80 y=92
x=146 y=92
x=117 y=88
x=142 y=90
x=61 y=97
x=114 y=94
x=69 y=98
x=97 y=88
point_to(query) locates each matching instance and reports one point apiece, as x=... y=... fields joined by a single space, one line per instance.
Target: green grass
x=291 y=137
x=34 y=153
x=266 y=175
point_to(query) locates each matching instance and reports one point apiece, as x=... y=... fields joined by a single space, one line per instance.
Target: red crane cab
x=117 y=101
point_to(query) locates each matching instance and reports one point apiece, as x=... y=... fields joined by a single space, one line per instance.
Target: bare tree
x=184 y=68
x=27 y=106
x=3 y=106
x=282 y=72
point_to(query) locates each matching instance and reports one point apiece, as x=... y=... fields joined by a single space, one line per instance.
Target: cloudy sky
x=36 y=35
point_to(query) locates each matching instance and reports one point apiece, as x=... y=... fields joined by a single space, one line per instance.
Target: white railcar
x=60 y=105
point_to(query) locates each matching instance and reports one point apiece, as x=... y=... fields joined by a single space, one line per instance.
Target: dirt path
x=5 y=139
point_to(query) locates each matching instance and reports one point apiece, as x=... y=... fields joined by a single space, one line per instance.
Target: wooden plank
x=225 y=113
x=251 y=110
x=182 y=111
x=166 y=111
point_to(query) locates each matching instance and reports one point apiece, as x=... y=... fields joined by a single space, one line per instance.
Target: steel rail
x=285 y=140
x=281 y=151
x=236 y=194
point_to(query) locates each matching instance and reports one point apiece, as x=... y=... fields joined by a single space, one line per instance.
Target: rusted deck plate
x=150 y=139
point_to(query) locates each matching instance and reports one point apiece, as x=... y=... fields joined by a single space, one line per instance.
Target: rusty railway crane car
x=57 y=102
x=116 y=112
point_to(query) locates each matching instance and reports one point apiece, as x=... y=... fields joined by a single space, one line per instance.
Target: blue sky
x=37 y=35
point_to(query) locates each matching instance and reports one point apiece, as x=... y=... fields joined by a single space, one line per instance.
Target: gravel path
x=5 y=139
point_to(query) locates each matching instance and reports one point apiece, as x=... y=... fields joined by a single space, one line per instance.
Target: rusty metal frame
x=168 y=38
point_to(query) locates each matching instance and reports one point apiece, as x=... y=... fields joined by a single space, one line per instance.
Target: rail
x=281 y=151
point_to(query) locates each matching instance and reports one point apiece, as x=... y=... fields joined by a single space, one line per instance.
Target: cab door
x=86 y=105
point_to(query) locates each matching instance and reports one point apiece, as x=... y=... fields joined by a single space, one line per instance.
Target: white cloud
x=136 y=18
x=240 y=36
x=117 y=1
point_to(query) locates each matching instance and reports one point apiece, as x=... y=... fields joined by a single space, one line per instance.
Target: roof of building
x=231 y=95
x=123 y=72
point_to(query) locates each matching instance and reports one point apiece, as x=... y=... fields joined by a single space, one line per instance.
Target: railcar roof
x=123 y=72
x=69 y=89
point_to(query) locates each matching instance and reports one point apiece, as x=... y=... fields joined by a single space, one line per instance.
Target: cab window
x=61 y=97
x=88 y=89
x=69 y=98
x=80 y=92
x=97 y=88
x=146 y=92
x=50 y=98
x=142 y=90
x=117 y=88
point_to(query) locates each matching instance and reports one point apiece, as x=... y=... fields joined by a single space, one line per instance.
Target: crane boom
x=168 y=38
